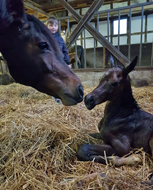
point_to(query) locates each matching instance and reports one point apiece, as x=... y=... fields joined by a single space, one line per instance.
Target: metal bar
x=140 y=51
x=94 y=53
x=59 y=27
x=102 y=40
x=119 y=30
x=99 y=37
x=104 y=57
x=85 y=60
x=108 y=26
x=98 y=22
x=68 y=27
x=152 y=55
x=129 y=36
x=76 y=56
x=126 y=7
x=71 y=40
x=64 y=17
x=146 y=24
x=112 y=10
x=87 y=17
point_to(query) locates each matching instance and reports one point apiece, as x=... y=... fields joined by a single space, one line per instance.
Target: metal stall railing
x=109 y=16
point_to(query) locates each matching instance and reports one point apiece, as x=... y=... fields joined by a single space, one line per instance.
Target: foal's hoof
x=83 y=152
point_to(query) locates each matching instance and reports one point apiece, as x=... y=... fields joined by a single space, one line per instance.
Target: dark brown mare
x=33 y=56
x=124 y=125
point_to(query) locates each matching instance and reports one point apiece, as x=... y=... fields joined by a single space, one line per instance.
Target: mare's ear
x=111 y=61
x=12 y=11
x=130 y=67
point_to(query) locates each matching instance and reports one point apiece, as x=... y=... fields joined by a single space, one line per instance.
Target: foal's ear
x=111 y=61
x=130 y=67
x=12 y=11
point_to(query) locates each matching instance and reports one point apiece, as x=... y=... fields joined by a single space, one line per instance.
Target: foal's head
x=33 y=56
x=111 y=85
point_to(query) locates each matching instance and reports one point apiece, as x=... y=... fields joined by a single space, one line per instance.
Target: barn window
x=123 y=26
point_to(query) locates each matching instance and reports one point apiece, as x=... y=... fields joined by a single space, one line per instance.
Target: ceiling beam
x=34 y=8
x=75 y=4
x=33 y=3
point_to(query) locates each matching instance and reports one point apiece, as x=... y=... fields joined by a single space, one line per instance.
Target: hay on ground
x=39 y=139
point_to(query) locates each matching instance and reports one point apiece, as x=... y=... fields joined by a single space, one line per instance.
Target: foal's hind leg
x=130 y=160
x=102 y=154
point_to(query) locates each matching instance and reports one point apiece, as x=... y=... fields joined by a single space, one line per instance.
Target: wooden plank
x=98 y=36
x=33 y=3
x=30 y=6
x=87 y=17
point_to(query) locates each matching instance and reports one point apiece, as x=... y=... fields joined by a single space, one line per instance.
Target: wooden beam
x=33 y=3
x=87 y=17
x=40 y=11
x=75 y=4
x=97 y=35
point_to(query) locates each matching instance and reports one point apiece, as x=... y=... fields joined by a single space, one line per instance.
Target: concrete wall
x=92 y=78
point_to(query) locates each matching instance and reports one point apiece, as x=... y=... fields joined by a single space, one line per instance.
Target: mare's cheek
x=30 y=49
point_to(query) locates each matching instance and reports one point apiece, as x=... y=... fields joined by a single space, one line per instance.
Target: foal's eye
x=43 y=46
x=115 y=84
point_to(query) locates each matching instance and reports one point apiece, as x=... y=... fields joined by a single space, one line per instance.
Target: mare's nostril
x=80 y=90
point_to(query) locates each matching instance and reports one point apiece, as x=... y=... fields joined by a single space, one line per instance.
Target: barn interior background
x=102 y=34
x=39 y=138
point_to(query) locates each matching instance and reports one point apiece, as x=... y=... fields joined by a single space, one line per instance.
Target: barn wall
x=92 y=78
x=146 y=54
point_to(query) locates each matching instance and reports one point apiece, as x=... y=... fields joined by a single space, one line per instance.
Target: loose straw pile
x=39 y=139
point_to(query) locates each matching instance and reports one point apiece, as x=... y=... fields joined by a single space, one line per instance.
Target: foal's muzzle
x=89 y=102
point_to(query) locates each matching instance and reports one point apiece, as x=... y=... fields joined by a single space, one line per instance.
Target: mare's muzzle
x=80 y=93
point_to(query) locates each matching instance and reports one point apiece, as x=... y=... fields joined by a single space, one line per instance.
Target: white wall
x=136 y=24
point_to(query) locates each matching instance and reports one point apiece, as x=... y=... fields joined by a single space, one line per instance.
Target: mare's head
x=33 y=56
x=111 y=85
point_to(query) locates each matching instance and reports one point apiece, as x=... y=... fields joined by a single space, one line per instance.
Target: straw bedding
x=39 y=139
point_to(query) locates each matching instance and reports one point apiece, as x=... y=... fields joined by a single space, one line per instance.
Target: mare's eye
x=43 y=46
x=115 y=84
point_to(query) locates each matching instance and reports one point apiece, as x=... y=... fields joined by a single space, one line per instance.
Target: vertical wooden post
x=36 y=13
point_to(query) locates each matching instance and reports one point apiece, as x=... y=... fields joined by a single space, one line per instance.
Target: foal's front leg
x=88 y=152
x=97 y=135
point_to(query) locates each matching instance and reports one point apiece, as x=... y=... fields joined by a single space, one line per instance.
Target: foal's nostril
x=91 y=99
x=89 y=102
x=80 y=90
